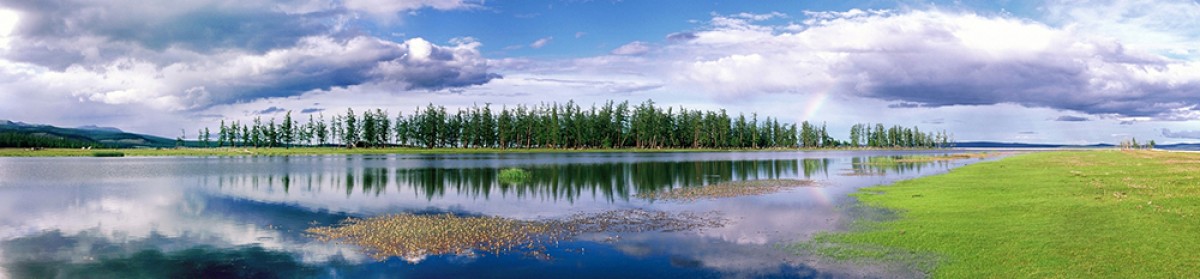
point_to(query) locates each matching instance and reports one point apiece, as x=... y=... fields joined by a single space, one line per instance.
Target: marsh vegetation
x=725 y=190
x=413 y=237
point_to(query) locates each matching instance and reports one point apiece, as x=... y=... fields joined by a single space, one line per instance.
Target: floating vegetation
x=726 y=189
x=878 y=166
x=513 y=176
x=108 y=154
x=890 y=161
x=857 y=172
x=638 y=220
x=413 y=236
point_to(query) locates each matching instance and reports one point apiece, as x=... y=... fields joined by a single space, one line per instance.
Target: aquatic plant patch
x=726 y=190
x=414 y=236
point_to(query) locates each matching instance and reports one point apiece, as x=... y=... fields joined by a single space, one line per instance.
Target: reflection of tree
x=610 y=181
x=815 y=166
x=54 y=255
x=882 y=165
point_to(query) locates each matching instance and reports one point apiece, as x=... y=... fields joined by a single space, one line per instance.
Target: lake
x=247 y=216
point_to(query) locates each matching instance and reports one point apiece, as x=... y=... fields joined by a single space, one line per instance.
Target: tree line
x=26 y=140
x=553 y=125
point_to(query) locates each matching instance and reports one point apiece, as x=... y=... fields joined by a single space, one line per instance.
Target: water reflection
x=882 y=165
x=86 y=255
x=612 y=181
x=89 y=214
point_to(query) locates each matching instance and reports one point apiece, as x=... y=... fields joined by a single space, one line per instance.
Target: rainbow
x=821 y=195
x=813 y=105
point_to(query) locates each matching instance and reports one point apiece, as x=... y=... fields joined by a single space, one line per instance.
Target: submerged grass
x=891 y=161
x=413 y=236
x=725 y=190
x=1055 y=214
x=513 y=176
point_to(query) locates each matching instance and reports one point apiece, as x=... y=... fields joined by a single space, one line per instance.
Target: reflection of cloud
x=268 y=201
x=125 y=210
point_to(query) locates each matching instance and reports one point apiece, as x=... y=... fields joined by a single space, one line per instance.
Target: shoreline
x=314 y=151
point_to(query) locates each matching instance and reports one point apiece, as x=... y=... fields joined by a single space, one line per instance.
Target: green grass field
x=1093 y=214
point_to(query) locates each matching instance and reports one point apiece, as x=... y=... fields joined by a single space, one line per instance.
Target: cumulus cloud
x=1189 y=134
x=57 y=33
x=196 y=54
x=1071 y=118
x=432 y=67
x=634 y=48
x=934 y=58
x=1169 y=27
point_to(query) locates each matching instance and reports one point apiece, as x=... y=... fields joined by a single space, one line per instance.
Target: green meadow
x=1083 y=214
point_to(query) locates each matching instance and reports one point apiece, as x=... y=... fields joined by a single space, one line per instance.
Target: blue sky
x=1064 y=71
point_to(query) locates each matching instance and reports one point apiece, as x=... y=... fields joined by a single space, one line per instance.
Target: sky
x=1069 y=71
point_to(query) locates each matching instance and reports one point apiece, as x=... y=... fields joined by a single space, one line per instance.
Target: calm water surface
x=205 y=217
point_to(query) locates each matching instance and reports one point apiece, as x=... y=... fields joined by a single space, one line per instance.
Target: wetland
x=644 y=214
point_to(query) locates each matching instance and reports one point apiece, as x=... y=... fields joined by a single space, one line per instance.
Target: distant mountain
x=87 y=135
x=1180 y=146
x=992 y=144
x=102 y=129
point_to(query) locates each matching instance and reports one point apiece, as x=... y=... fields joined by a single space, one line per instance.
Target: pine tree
x=287 y=130
x=206 y=137
x=350 y=134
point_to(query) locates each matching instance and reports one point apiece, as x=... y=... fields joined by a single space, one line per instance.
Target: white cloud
x=937 y=58
x=8 y=21
x=236 y=76
x=759 y=17
x=539 y=43
x=1170 y=27
x=388 y=8
x=634 y=48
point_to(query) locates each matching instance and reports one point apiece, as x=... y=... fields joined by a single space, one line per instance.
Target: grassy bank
x=279 y=151
x=1057 y=214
